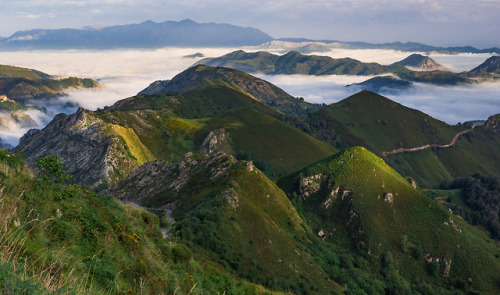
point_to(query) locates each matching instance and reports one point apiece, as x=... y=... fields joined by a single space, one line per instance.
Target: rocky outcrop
x=421 y=63
x=94 y=152
x=159 y=183
x=217 y=141
x=310 y=185
x=493 y=123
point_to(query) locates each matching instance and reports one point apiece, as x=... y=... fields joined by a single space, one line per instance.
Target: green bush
x=181 y=253
x=51 y=169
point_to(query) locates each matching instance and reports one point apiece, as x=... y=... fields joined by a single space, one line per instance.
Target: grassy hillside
x=228 y=212
x=146 y=127
x=474 y=152
x=17 y=72
x=171 y=125
x=59 y=239
x=201 y=76
x=356 y=199
x=381 y=124
x=296 y=63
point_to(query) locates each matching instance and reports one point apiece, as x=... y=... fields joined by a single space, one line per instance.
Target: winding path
x=434 y=145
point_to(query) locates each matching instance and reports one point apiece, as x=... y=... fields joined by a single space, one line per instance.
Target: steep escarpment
x=94 y=152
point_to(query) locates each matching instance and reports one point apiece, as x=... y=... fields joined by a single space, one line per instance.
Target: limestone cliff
x=94 y=152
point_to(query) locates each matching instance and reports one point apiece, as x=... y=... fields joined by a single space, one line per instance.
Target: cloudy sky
x=435 y=22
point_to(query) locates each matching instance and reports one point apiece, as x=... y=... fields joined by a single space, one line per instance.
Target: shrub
x=51 y=169
x=181 y=253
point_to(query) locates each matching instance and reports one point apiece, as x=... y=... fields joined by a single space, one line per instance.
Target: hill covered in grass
x=380 y=124
x=166 y=126
x=420 y=63
x=384 y=126
x=20 y=86
x=296 y=63
x=229 y=212
x=61 y=239
x=356 y=200
x=263 y=91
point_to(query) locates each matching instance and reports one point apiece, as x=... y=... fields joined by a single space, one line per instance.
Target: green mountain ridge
x=203 y=157
x=167 y=126
x=295 y=63
x=381 y=125
x=229 y=212
x=357 y=199
x=265 y=92
x=61 y=239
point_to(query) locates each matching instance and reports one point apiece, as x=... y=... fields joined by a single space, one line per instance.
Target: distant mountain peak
x=148 y=34
x=491 y=65
x=421 y=63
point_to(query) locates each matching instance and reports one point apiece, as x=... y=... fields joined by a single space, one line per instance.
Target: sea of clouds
x=126 y=72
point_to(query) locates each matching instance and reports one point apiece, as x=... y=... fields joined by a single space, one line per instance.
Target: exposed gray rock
x=310 y=185
x=161 y=183
x=217 y=141
x=388 y=197
x=94 y=155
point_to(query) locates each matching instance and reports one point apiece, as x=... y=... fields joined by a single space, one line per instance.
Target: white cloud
x=126 y=72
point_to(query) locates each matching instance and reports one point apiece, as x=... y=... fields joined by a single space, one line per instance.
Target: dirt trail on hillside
x=403 y=150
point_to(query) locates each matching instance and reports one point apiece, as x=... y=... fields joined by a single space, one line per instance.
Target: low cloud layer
x=450 y=104
x=126 y=72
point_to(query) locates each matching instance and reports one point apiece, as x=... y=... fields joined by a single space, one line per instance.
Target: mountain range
x=250 y=190
x=23 y=90
x=147 y=34
x=415 y=68
x=400 y=46
x=186 y=33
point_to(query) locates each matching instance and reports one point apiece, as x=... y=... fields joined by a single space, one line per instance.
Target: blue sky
x=435 y=22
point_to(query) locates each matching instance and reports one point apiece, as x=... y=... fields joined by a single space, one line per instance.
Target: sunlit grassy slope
x=60 y=239
x=357 y=199
x=171 y=125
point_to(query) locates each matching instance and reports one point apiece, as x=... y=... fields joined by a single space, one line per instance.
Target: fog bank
x=126 y=72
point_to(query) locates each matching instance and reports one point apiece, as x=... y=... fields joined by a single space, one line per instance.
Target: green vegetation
x=17 y=72
x=477 y=201
x=171 y=125
x=229 y=213
x=295 y=63
x=60 y=239
x=9 y=105
x=356 y=200
x=202 y=76
x=51 y=169
x=474 y=152
x=380 y=124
